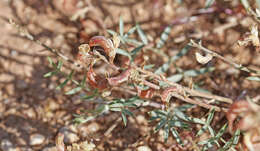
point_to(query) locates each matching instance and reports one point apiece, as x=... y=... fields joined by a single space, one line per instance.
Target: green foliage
x=207 y=144
x=166 y=66
x=117 y=105
x=57 y=68
x=171 y=120
x=209 y=3
x=121 y=26
x=231 y=143
x=164 y=37
x=253 y=78
x=142 y=34
x=207 y=125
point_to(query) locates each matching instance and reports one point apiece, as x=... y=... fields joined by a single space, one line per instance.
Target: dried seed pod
x=95 y=80
x=244 y=115
x=167 y=94
x=106 y=44
x=84 y=56
x=203 y=59
x=116 y=40
x=145 y=94
x=248 y=113
x=124 y=76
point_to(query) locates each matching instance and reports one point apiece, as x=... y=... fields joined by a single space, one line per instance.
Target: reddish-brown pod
x=146 y=94
x=114 y=81
x=95 y=81
x=103 y=42
x=167 y=94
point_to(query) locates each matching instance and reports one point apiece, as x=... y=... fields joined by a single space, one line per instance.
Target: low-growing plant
x=142 y=82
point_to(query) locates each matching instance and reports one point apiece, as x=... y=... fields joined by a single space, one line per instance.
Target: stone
x=7 y=145
x=144 y=148
x=50 y=148
x=36 y=139
x=70 y=134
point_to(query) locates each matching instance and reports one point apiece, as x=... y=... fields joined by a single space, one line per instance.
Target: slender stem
x=214 y=54
x=29 y=36
x=185 y=89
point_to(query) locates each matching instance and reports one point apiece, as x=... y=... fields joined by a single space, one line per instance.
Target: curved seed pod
x=203 y=59
x=95 y=80
x=145 y=94
x=83 y=55
x=244 y=115
x=106 y=44
x=124 y=76
x=248 y=113
x=168 y=93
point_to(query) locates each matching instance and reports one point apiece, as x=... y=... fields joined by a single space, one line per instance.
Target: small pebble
x=52 y=148
x=70 y=134
x=36 y=139
x=7 y=145
x=144 y=148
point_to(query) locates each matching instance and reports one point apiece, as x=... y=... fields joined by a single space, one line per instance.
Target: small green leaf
x=65 y=81
x=49 y=74
x=60 y=63
x=115 y=109
x=136 y=50
x=121 y=26
x=221 y=131
x=124 y=118
x=50 y=61
x=131 y=31
x=126 y=111
x=236 y=137
x=209 y=3
x=194 y=73
x=166 y=66
x=185 y=107
x=175 y=78
x=245 y=4
x=211 y=131
x=117 y=105
x=202 y=130
x=62 y=84
x=176 y=136
x=162 y=122
x=141 y=34
x=197 y=120
x=253 y=78
x=166 y=132
x=123 y=52
x=175 y=123
x=81 y=120
x=149 y=66
x=183 y=52
x=111 y=32
x=163 y=68
x=86 y=97
x=133 y=41
x=181 y=115
x=164 y=37
x=210 y=116
x=73 y=91
x=160 y=112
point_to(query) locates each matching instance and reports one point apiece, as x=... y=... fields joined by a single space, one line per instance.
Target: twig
x=29 y=36
x=214 y=54
x=184 y=89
